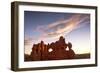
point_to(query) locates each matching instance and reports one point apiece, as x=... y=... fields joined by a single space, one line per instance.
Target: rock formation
x=54 y=51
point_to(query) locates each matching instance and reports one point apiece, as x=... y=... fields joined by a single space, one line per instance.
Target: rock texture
x=54 y=51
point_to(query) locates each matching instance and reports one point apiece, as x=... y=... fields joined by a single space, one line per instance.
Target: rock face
x=54 y=51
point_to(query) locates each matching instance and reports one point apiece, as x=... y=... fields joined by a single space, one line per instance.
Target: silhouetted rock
x=27 y=57
x=54 y=51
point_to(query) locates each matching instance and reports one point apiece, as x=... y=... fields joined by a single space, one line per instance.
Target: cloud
x=27 y=41
x=63 y=27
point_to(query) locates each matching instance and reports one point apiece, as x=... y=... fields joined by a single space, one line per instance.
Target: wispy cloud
x=63 y=27
x=59 y=28
x=27 y=41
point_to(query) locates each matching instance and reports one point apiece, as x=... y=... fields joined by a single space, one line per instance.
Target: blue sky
x=49 y=26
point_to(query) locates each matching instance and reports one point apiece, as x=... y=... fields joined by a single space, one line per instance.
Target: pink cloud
x=62 y=27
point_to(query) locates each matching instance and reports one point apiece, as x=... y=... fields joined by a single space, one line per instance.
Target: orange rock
x=41 y=51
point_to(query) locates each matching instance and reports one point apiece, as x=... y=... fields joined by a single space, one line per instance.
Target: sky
x=49 y=26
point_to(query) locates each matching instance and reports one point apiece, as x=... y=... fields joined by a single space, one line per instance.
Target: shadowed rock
x=52 y=51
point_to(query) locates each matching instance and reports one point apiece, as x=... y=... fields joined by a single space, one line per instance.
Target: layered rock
x=53 y=51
